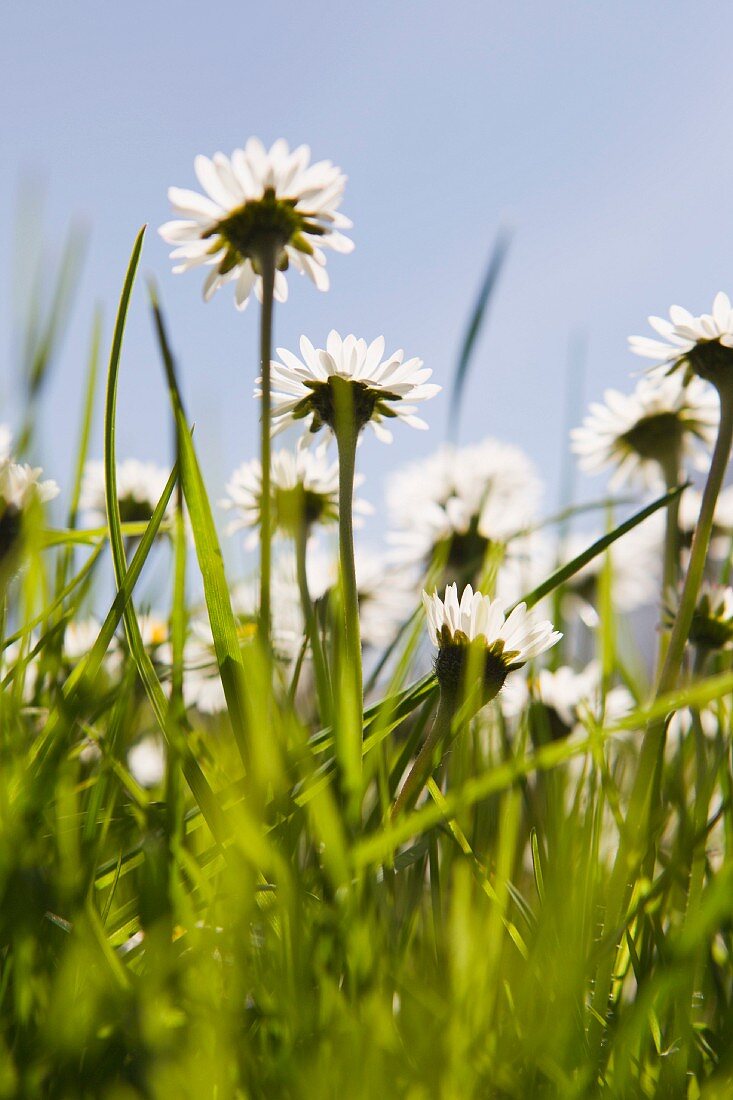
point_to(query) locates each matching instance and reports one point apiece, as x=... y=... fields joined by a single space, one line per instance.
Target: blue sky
x=601 y=133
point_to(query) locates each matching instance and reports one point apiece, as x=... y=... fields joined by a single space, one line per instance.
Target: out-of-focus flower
x=146 y=761
x=258 y=200
x=635 y=571
x=305 y=489
x=139 y=488
x=701 y=344
x=20 y=489
x=458 y=503
x=642 y=432
x=348 y=378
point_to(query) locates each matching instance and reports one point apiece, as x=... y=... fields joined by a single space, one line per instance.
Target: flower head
x=460 y=501
x=20 y=489
x=712 y=621
x=257 y=201
x=139 y=488
x=304 y=488
x=348 y=378
x=703 y=345
x=503 y=642
x=640 y=432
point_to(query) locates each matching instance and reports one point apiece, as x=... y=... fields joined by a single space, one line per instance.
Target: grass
x=237 y=930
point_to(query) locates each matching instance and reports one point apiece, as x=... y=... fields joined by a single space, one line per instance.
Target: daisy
x=459 y=501
x=146 y=761
x=304 y=492
x=568 y=693
x=643 y=432
x=256 y=201
x=348 y=373
x=139 y=488
x=506 y=642
x=20 y=489
x=701 y=344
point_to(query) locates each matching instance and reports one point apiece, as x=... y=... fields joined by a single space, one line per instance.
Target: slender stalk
x=323 y=686
x=346 y=439
x=418 y=775
x=267 y=265
x=671 y=566
x=637 y=844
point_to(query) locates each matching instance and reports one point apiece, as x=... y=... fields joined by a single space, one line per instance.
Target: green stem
x=267 y=266
x=323 y=687
x=346 y=439
x=637 y=843
x=423 y=765
x=671 y=567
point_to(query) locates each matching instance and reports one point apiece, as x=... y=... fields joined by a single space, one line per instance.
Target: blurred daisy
x=506 y=642
x=387 y=592
x=140 y=486
x=712 y=621
x=348 y=373
x=255 y=200
x=153 y=630
x=702 y=344
x=458 y=502
x=568 y=694
x=641 y=432
x=636 y=571
x=146 y=761
x=20 y=489
x=305 y=489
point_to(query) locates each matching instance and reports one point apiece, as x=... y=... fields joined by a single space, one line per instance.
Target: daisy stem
x=352 y=685
x=323 y=687
x=418 y=775
x=637 y=846
x=267 y=262
x=670 y=572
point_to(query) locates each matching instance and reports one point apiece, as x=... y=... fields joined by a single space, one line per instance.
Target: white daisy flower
x=377 y=388
x=139 y=488
x=256 y=200
x=507 y=641
x=305 y=490
x=153 y=630
x=637 y=433
x=462 y=500
x=146 y=761
x=702 y=344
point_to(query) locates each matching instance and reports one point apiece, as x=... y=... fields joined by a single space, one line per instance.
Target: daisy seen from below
x=352 y=376
x=703 y=344
x=478 y=646
x=476 y=621
x=647 y=434
x=21 y=489
x=256 y=202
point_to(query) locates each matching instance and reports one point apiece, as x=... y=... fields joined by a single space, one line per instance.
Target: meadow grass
x=258 y=921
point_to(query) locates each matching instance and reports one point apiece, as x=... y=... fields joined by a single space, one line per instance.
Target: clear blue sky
x=600 y=131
